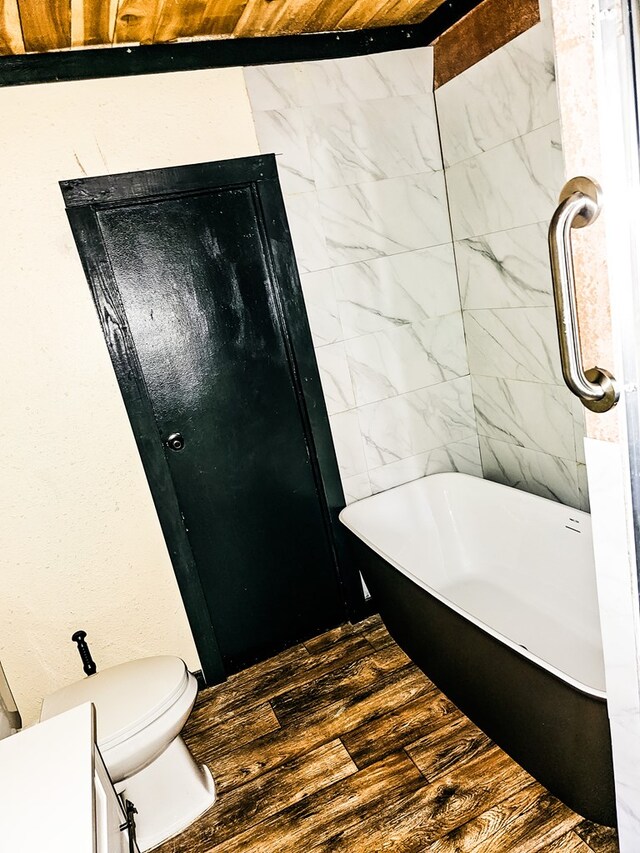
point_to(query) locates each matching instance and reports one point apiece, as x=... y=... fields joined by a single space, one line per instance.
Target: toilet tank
x=10 y=720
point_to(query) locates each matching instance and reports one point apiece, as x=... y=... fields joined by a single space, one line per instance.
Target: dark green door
x=195 y=280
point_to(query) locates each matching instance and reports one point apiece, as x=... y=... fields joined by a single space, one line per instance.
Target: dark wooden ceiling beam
x=486 y=28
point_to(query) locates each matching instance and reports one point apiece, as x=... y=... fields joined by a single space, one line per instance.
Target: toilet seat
x=128 y=697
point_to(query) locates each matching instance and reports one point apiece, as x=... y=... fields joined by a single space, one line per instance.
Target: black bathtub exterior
x=557 y=733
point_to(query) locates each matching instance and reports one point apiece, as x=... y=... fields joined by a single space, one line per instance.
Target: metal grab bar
x=580 y=203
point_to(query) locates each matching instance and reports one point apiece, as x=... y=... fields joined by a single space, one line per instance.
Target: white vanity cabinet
x=55 y=793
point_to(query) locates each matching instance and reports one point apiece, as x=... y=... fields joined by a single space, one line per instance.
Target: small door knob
x=175 y=441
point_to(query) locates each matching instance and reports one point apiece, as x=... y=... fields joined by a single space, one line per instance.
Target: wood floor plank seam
x=268 y=682
x=408 y=754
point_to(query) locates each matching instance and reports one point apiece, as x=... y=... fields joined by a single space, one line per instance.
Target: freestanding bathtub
x=491 y=591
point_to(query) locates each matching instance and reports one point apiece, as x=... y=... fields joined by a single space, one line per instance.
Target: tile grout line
x=504 y=142
x=457 y=272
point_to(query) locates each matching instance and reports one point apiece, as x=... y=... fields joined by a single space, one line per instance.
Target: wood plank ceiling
x=37 y=26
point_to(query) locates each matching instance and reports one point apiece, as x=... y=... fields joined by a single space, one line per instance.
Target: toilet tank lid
x=127 y=697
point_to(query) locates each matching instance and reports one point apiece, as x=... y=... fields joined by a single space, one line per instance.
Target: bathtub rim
x=558 y=673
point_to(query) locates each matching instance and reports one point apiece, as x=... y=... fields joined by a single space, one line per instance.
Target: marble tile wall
x=504 y=168
x=360 y=163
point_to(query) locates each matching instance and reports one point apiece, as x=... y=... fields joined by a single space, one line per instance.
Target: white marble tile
x=463 y=456
x=583 y=488
x=509 y=93
x=528 y=414
x=322 y=307
x=386 y=293
x=335 y=378
x=305 y=223
x=545 y=10
x=406 y=358
x=514 y=343
x=413 y=423
x=379 y=218
x=356 y=488
x=283 y=133
x=579 y=428
x=365 y=78
x=625 y=735
x=372 y=140
x=273 y=87
x=407 y=72
x=507 y=269
x=531 y=471
x=348 y=444
x=515 y=184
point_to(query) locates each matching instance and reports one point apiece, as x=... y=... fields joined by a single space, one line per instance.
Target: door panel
x=194 y=274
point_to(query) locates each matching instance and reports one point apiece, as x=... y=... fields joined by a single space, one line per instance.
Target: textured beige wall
x=81 y=544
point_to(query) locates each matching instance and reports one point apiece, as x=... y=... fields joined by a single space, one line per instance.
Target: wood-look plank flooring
x=342 y=744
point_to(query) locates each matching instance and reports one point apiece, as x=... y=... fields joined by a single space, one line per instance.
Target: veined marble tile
x=283 y=133
x=583 y=488
x=305 y=223
x=407 y=72
x=413 y=423
x=386 y=293
x=528 y=414
x=273 y=87
x=365 y=78
x=356 y=488
x=507 y=269
x=335 y=378
x=348 y=444
x=509 y=93
x=406 y=358
x=538 y=473
x=379 y=218
x=462 y=456
x=579 y=426
x=514 y=343
x=322 y=307
x=515 y=184
x=372 y=140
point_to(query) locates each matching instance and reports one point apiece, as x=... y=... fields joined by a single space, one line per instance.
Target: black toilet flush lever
x=83 y=649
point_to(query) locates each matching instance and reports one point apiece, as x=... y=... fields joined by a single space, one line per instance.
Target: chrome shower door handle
x=580 y=203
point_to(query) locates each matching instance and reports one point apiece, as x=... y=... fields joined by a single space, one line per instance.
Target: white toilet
x=141 y=708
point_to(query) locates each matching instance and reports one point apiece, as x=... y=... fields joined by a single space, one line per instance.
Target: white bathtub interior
x=518 y=565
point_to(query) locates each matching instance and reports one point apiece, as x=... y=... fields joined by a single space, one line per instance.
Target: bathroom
x=419 y=227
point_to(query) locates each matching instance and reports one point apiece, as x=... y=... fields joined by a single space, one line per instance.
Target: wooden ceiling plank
x=77 y=22
x=360 y=13
x=188 y=18
x=42 y=25
x=404 y=12
x=282 y=17
x=11 y=41
x=222 y=16
x=45 y=25
x=179 y=19
x=98 y=21
x=136 y=21
x=327 y=16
